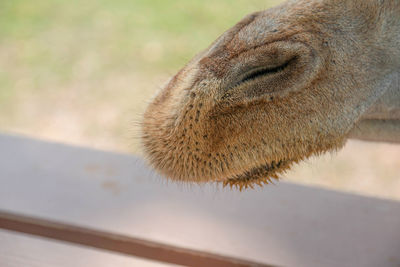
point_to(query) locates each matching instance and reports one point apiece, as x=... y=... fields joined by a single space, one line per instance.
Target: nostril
x=263 y=71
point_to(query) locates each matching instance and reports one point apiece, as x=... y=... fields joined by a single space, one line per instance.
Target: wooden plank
x=19 y=250
x=117 y=243
x=284 y=225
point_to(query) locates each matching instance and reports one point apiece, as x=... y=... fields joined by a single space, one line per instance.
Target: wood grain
x=24 y=250
x=117 y=243
x=283 y=224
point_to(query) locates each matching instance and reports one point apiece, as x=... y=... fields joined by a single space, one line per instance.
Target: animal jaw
x=280 y=86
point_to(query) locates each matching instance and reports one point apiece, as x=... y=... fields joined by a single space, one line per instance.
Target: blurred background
x=82 y=73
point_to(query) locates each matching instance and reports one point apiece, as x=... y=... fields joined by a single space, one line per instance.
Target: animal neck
x=387 y=107
x=373 y=27
x=375 y=20
x=387 y=14
x=385 y=20
x=382 y=121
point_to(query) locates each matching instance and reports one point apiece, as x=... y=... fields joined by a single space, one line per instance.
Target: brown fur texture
x=281 y=85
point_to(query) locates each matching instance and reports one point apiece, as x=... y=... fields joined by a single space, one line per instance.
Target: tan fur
x=218 y=120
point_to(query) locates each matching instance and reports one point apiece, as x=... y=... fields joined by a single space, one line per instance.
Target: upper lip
x=260 y=175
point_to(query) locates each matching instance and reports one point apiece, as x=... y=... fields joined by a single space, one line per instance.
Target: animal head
x=281 y=85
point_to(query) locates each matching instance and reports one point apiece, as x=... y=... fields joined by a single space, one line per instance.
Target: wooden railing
x=117 y=243
x=114 y=203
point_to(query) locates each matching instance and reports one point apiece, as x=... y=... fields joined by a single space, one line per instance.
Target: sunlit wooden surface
x=283 y=224
x=19 y=250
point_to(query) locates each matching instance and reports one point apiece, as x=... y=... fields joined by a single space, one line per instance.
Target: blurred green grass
x=76 y=60
x=53 y=36
x=82 y=72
